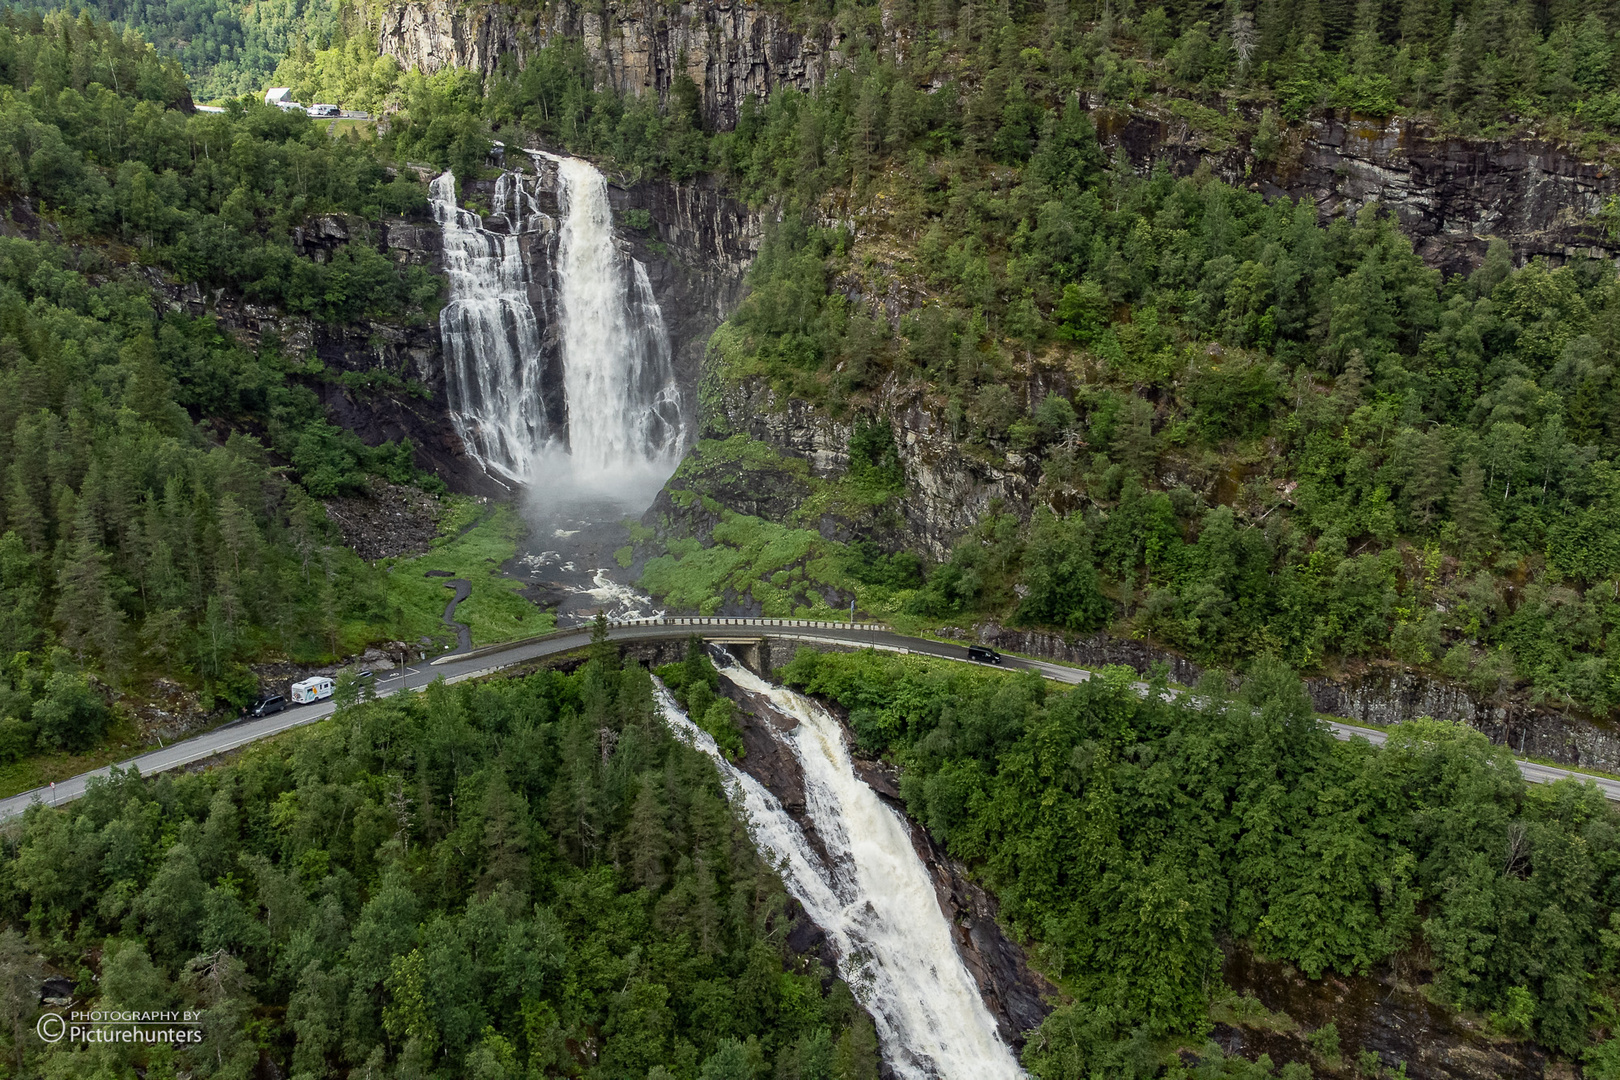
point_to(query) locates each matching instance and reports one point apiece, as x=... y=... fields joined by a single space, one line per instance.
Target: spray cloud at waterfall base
x=559 y=372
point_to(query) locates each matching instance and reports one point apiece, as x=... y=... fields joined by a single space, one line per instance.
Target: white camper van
x=323 y=110
x=311 y=690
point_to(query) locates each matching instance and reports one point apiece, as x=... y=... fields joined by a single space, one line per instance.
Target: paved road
x=459 y=666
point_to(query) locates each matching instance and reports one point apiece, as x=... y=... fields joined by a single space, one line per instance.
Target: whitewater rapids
x=873 y=897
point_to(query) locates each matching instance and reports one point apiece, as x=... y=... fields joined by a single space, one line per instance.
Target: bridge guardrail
x=693 y=621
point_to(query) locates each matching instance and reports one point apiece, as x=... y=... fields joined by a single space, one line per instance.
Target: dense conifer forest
x=1129 y=836
x=1271 y=442
x=149 y=520
x=529 y=878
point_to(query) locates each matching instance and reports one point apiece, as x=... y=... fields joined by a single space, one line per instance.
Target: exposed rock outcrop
x=729 y=50
x=1383 y=694
x=1381 y=1012
x=1451 y=196
x=947 y=491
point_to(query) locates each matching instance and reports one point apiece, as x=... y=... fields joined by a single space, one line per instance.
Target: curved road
x=490 y=659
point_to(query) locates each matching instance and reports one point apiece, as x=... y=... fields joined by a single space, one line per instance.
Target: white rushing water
x=624 y=429
x=490 y=331
x=623 y=402
x=875 y=900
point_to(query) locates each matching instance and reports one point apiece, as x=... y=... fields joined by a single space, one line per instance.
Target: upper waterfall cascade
x=617 y=365
x=589 y=300
x=872 y=895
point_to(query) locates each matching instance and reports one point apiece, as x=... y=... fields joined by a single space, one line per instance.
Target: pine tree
x=647 y=836
x=87 y=606
x=1431 y=479
x=149 y=391
x=1471 y=511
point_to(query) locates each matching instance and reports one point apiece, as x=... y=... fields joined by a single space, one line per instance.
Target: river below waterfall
x=859 y=878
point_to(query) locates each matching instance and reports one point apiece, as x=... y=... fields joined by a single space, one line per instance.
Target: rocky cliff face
x=730 y=50
x=1450 y=195
x=947 y=491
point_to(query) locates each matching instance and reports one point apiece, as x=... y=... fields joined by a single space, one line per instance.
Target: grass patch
x=1246 y=1011
x=789 y=572
x=474 y=541
x=782 y=568
x=1218 y=129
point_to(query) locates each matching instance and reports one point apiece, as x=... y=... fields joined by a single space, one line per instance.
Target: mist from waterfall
x=872 y=895
x=491 y=332
x=623 y=432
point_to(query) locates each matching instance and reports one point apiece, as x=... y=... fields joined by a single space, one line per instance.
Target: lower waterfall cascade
x=591 y=301
x=872 y=896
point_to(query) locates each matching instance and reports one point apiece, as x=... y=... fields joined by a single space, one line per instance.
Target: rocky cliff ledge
x=1383 y=694
x=1451 y=196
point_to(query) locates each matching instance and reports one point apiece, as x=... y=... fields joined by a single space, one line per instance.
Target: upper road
x=459 y=666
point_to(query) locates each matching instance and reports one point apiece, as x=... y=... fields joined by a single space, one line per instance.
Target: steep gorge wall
x=731 y=50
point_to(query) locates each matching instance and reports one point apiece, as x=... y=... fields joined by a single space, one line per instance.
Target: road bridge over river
x=488 y=660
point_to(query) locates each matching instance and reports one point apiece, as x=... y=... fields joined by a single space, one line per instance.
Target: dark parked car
x=983 y=654
x=268 y=705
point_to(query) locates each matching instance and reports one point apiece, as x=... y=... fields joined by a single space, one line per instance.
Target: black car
x=364 y=674
x=268 y=705
x=983 y=654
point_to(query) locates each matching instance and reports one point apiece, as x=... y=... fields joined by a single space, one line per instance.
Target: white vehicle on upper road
x=311 y=690
x=324 y=110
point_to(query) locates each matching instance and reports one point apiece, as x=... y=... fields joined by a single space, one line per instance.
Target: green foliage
x=695 y=684
x=479 y=880
x=874 y=463
x=93 y=126
x=71 y=715
x=1125 y=834
x=1298 y=439
x=1324 y=1042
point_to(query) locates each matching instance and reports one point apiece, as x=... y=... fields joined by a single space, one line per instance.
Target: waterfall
x=623 y=404
x=874 y=897
x=490 y=331
x=619 y=425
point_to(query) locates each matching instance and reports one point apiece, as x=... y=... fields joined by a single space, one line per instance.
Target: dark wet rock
x=386 y=520
x=1381 y=1012
x=1018 y=997
x=57 y=990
